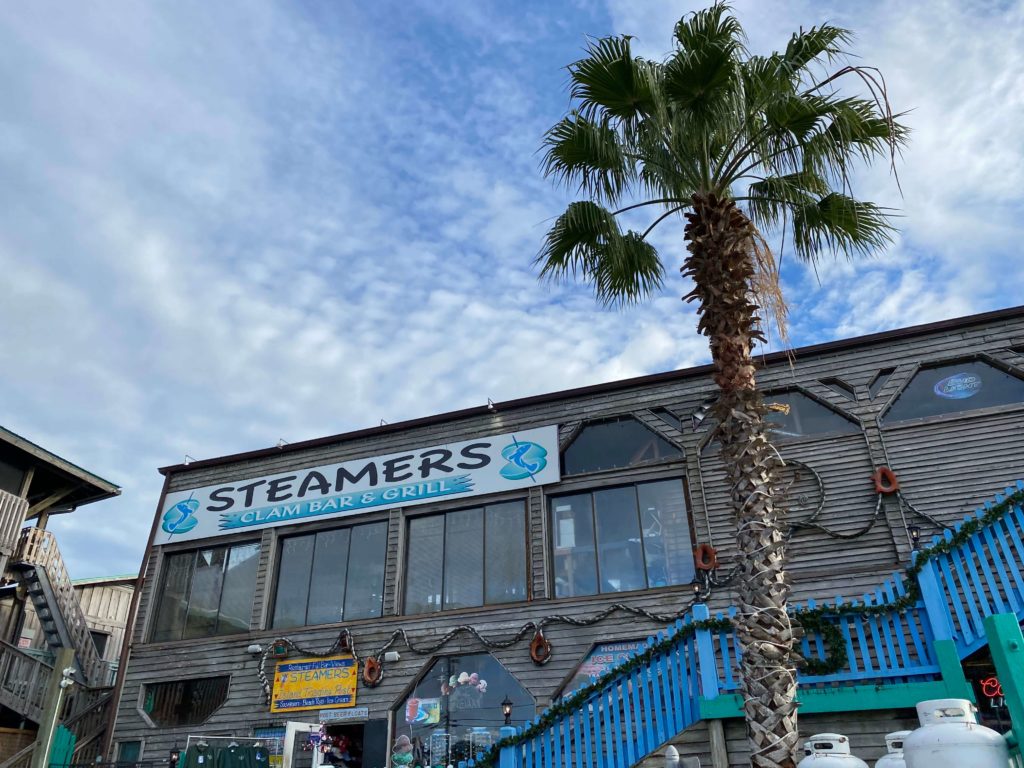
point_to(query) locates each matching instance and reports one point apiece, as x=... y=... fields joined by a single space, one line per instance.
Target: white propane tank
x=950 y=737
x=829 y=750
x=894 y=745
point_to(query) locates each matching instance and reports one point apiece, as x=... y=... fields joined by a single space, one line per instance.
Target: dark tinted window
x=466 y=558
x=955 y=388
x=207 y=592
x=616 y=443
x=184 y=702
x=99 y=639
x=454 y=712
x=331 y=576
x=621 y=539
x=805 y=416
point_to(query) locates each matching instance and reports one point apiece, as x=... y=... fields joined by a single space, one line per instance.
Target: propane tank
x=829 y=750
x=894 y=745
x=950 y=737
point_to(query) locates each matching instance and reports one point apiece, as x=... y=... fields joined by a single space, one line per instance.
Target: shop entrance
x=355 y=745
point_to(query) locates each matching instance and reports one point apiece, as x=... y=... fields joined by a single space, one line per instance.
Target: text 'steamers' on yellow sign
x=327 y=683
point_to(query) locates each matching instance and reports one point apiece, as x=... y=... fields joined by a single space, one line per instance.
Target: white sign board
x=458 y=470
x=341 y=715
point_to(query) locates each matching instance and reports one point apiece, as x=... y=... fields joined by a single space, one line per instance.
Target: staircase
x=23 y=681
x=902 y=651
x=13 y=510
x=40 y=569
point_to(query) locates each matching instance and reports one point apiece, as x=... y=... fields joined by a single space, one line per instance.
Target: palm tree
x=740 y=147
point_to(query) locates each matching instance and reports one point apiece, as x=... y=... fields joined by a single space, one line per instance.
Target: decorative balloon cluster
x=464 y=678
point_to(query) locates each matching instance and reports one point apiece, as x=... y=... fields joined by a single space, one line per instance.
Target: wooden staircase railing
x=20 y=759
x=41 y=567
x=12 y=517
x=23 y=680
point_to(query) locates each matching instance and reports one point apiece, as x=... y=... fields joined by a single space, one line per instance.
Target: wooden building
x=421 y=558
x=40 y=610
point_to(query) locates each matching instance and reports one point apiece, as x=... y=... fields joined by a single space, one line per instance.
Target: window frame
x=919 y=366
x=402 y=593
x=641 y=465
x=194 y=547
x=140 y=703
x=831 y=434
x=622 y=477
x=278 y=549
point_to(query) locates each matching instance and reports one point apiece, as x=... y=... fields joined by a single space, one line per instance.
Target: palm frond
x=770 y=200
x=628 y=271
x=609 y=82
x=697 y=79
x=806 y=46
x=714 y=26
x=586 y=243
x=838 y=224
x=588 y=155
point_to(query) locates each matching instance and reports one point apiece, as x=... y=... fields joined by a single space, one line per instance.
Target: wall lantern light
x=506 y=709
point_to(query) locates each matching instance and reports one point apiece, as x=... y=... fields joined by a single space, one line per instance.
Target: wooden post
x=507 y=755
x=719 y=751
x=706 y=655
x=1007 y=645
x=51 y=709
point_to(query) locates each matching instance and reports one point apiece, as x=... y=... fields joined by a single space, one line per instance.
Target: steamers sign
x=457 y=470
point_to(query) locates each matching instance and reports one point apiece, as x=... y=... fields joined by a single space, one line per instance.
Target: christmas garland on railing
x=572 y=702
x=817 y=619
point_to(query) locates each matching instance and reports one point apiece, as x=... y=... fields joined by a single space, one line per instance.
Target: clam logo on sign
x=959 y=386
x=524 y=460
x=417 y=476
x=181 y=518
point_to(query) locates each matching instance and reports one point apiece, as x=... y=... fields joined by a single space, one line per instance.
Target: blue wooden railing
x=641 y=708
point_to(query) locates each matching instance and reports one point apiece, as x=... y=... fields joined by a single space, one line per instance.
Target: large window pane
x=805 y=417
x=293 y=581
x=204 y=602
x=327 y=585
x=464 y=559
x=364 y=596
x=170 y=617
x=425 y=563
x=620 y=552
x=572 y=528
x=505 y=553
x=615 y=443
x=954 y=388
x=668 y=545
x=621 y=539
x=239 y=585
x=454 y=711
x=184 y=702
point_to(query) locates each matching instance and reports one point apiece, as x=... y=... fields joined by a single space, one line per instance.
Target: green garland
x=572 y=702
x=818 y=620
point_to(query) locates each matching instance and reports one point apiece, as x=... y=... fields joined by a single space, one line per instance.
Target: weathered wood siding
x=106 y=610
x=947 y=465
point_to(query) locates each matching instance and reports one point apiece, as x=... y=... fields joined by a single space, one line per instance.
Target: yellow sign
x=327 y=683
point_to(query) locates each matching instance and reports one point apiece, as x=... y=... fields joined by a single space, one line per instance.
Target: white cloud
x=226 y=224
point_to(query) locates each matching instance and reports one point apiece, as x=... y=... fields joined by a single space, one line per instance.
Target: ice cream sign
x=456 y=470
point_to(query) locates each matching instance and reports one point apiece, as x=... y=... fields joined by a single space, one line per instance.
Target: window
x=207 y=592
x=954 y=388
x=184 y=702
x=129 y=751
x=331 y=576
x=621 y=539
x=454 y=711
x=615 y=443
x=805 y=416
x=796 y=415
x=466 y=558
x=100 y=639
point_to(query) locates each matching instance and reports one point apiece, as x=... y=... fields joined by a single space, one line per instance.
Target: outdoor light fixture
x=506 y=709
x=696 y=588
x=172 y=759
x=491 y=406
x=915 y=535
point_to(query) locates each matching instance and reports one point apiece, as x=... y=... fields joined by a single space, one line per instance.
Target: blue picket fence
x=640 y=709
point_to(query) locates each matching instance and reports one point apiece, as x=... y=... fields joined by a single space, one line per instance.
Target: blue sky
x=223 y=224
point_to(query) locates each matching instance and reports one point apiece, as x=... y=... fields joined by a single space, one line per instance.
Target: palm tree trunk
x=720 y=240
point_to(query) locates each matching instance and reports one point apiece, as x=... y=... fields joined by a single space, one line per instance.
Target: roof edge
x=106 y=487
x=636 y=381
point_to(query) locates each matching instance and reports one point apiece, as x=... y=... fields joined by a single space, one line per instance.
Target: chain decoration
x=345 y=640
